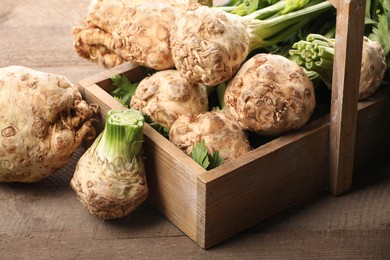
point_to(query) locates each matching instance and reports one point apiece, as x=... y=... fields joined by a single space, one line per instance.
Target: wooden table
x=45 y=221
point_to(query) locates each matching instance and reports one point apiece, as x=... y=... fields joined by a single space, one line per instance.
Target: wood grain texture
x=346 y=74
x=263 y=185
x=45 y=221
x=372 y=130
x=38 y=34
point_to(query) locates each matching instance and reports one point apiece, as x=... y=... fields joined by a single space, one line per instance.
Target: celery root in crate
x=109 y=178
x=114 y=33
x=209 y=45
x=43 y=119
x=270 y=95
x=217 y=130
x=165 y=95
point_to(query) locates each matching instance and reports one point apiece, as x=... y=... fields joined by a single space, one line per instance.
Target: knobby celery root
x=109 y=178
x=43 y=119
x=373 y=68
x=270 y=95
x=115 y=33
x=219 y=130
x=165 y=95
x=92 y=38
x=209 y=45
x=143 y=35
x=95 y=4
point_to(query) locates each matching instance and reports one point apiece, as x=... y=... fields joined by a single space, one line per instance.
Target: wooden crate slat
x=345 y=89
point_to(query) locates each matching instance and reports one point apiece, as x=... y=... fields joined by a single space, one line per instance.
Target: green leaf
x=200 y=154
x=215 y=160
x=293 y=5
x=204 y=158
x=124 y=88
x=159 y=128
x=381 y=33
x=221 y=88
x=120 y=101
x=122 y=82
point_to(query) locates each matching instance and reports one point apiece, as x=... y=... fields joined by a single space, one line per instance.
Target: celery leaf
x=204 y=158
x=124 y=89
x=159 y=128
x=215 y=160
x=200 y=154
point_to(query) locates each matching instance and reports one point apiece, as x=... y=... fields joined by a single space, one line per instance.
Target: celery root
x=109 y=178
x=114 y=33
x=95 y=4
x=209 y=45
x=165 y=95
x=43 y=119
x=92 y=37
x=219 y=130
x=143 y=35
x=270 y=95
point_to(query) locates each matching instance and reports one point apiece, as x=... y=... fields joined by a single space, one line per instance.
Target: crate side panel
x=373 y=129
x=173 y=187
x=265 y=186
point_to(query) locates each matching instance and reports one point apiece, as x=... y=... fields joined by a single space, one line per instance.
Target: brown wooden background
x=45 y=221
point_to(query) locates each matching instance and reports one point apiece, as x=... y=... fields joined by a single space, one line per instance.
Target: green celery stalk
x=122 y=137
x=316 y=54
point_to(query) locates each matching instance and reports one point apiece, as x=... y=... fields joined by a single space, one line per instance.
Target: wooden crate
x=210 y=206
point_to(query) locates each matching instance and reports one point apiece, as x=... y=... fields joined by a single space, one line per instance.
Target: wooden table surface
x=45 y=220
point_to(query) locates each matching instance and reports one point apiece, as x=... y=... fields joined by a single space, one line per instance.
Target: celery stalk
x=282 y=23
x=122 y=136
x=316 y=54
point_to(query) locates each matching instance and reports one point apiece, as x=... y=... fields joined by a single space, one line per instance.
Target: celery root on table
x=43 y=119
x=109 y=178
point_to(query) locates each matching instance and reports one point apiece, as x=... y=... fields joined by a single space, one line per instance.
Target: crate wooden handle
x=345 y=89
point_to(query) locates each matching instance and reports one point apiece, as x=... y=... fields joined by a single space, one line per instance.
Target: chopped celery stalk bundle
x=315 y=54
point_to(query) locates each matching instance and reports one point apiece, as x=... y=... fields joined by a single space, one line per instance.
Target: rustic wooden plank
x=42 y=13
x=346 y=74
x=369 y=244
x=49 y=47
x=310 y=229
x=37 y=34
